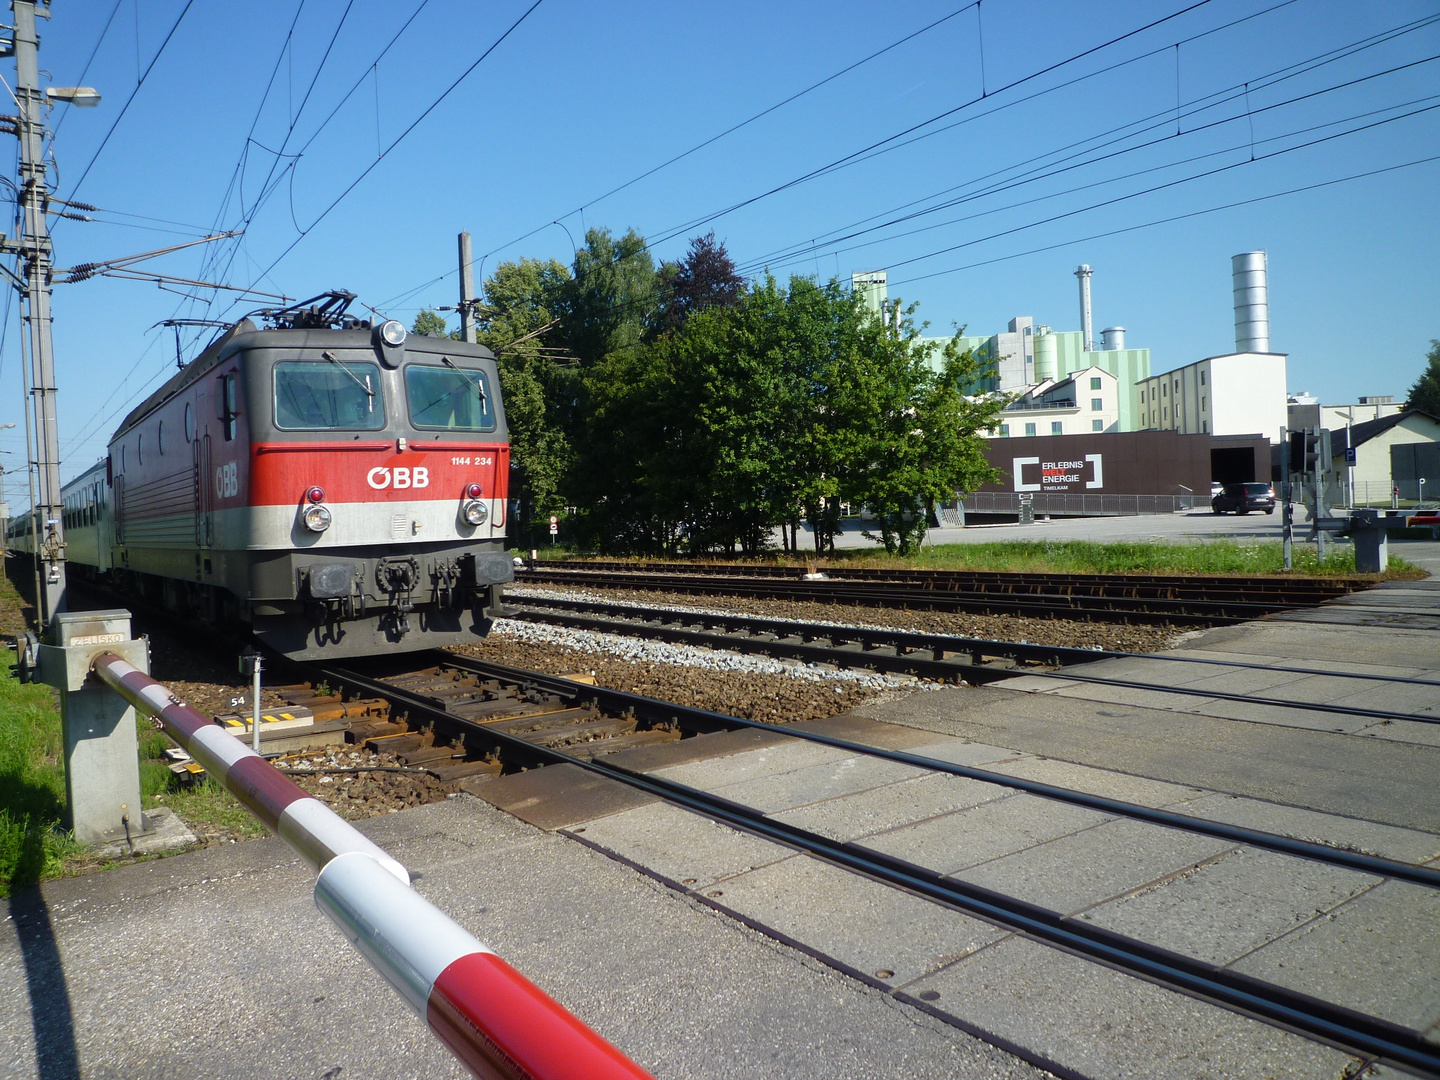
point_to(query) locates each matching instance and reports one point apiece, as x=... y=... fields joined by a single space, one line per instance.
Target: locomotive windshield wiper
x=369 y=393
x=474 y=383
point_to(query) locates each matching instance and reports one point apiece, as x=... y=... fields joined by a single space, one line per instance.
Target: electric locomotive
x=340 y=488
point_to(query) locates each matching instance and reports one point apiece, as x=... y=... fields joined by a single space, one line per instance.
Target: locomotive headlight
x=475 y=512
x=392 y=332
x=316 y=518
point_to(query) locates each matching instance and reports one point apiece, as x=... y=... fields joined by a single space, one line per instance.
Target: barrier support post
x=102 y=757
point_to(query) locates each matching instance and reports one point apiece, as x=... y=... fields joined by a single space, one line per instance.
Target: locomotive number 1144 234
x=485 y=459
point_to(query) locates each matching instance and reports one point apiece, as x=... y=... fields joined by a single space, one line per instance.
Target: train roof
x=246 y=335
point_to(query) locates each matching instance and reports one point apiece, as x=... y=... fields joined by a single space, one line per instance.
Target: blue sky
x=1050 y=119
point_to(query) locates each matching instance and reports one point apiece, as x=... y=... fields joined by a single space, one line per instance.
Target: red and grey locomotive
x=338 y=487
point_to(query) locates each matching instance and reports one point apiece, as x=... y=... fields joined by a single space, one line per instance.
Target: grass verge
x=34 y=843
x=1214 y=557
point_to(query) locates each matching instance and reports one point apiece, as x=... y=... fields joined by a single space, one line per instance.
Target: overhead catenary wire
x=260 y=276
x=210 y=263
x=1172 y=218
x=1161 y=187
x=799 y=253
x=740 y=125
x=1116 y=134
x=673 y=232
x=402 y=136
x=129 y=100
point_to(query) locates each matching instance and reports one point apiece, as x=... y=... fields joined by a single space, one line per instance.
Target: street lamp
x=82 y=97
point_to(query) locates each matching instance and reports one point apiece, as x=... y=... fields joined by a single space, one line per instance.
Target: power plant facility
x=1063 y=386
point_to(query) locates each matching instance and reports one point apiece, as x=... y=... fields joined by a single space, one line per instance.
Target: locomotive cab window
x=227 y=397
x=448 y=398
x=311 y=394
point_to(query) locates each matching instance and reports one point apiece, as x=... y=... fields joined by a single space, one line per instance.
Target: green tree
x=918 y=434
x=518 y=298
x=430 y=323
x=610 y=299
x=1425 y=394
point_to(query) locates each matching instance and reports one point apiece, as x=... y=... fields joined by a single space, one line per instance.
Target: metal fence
x=1079 y=505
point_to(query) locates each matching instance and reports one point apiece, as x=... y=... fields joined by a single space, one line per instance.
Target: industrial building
x=1239 y=393
x=1084 y=403
x=1396 y=451
x=1051 y=372
x=1063 y=387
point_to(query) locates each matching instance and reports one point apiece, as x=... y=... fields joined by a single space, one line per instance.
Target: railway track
x=932 y=656
x=1157 y=586
x=1172 y=605
x=489 y=719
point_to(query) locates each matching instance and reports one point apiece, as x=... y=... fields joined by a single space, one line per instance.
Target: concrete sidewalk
x=217 y=964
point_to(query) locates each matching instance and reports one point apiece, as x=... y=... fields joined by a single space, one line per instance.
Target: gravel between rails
x=1074 y=634
x=757 y=688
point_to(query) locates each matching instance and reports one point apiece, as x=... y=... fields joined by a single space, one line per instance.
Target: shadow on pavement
x=50 y=1014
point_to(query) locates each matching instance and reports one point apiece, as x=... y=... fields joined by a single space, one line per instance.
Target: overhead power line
x=742 y=124
x=1171 y=219
x=125 y=108
x=1115 y=135
x=802 y=251
x=402 y=136
x=706 y=219
x=672 y=233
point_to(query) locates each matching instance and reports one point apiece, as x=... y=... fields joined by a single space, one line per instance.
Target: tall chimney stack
x=1087 y=334
x=1252 y=302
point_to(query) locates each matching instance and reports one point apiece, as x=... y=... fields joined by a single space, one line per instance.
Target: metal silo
x=1046 y=362
x=1252 y=302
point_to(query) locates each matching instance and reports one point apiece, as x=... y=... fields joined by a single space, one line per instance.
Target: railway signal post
x=32 y=279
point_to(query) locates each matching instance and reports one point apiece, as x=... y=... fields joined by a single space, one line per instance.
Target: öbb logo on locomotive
x=258 y=519
x=399 y=477
x=227 y=481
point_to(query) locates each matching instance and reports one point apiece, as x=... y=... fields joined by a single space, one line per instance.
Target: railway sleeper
x=546 y=721
x=590 y=731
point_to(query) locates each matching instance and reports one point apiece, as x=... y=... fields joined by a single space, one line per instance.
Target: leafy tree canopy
x=1425 y=394
x=705 y=278
x=430 y=323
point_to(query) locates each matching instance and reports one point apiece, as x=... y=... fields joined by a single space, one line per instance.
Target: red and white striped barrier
x=492 y=1018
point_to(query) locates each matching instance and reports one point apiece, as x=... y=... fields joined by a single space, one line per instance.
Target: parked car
x=1216 y=488
x=1242 y=498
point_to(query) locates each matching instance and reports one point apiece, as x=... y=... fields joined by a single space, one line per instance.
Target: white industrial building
x=1239 y=393
x=1084 y=403
x=1055 y=374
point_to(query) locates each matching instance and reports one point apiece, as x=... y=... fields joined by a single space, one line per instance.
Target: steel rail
x=493 y=1019
x=874 y=637
x=867 y=636
x=947 y=670
x=1104 y=609
x=1338 y=585
x=657 y=711
x=1367 y=1035
x=1238 y=591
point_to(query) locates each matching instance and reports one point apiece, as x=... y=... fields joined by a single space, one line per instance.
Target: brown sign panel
x=1127 y=462
x=1061 y=474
